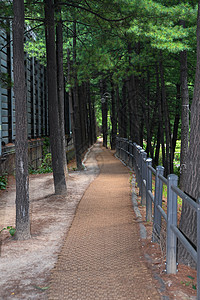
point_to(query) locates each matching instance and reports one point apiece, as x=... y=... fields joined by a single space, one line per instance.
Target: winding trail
x=101 y=257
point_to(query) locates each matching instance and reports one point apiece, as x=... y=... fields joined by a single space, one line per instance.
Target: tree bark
x=176 y=124
x=184 y=120
x=71 y=106
x=90 y=126
x=76 y=110
x=104 y=113
x=135 y=135
x=188 y=222
x=160 y=136
x=60 y=80
x=114 y=121
x=167 y=164
x=55 y=132
x=21 y=141
x=124 y=110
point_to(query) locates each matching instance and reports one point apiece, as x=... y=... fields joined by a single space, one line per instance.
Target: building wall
x=37 y=104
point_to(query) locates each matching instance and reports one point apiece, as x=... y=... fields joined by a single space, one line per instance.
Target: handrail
x=138 y=161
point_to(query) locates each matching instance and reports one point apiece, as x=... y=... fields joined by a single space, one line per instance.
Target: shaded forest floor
x=25 y=265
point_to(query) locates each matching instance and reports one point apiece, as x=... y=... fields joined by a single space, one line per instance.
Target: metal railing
x=136 y=158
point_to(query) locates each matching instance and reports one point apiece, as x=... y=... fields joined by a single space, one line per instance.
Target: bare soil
x=25 y=265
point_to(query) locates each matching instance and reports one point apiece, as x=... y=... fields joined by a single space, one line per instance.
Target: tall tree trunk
x=21 y=142
x=94 y=131
x=90 y=125
x=82 y=105
x=71 y=106
x=166 y=119
x=114 y=121
x=124 y=110
x=76 y=110
x=135 y=134
x=184 y=120
x=157 y=152
x=188 y=222
x=60 y=80
x=176 y=123
x=55 y=132
x=118 y=110
x=104 y=113
x=160 y=116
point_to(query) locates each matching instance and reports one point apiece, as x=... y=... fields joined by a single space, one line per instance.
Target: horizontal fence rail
x=136 y=158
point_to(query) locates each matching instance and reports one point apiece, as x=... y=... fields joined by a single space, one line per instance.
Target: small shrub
x=10 y=229
x=46 y=166
x=3 y=181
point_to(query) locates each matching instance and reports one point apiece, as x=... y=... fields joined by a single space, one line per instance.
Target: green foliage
x=3 y=181
x=46 y=166
x=46 y=145
x=10 y=229
x=5 y=80
x=190 y=283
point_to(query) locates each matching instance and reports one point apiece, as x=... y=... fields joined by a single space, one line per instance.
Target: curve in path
x=101 y=257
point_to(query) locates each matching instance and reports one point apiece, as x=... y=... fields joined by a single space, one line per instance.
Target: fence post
x=148 y=188
x=120 y=148
x=129 y=153
x=198 y=249
x=126 y=153
x=135 y=157
x=124 y=149
x=137 y=152
x=117 y=146
x=172 y=179
x=143 y=177
x=157 y=200
x=140 y=170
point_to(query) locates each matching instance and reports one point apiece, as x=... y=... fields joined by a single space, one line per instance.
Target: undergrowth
x=46 y=166
x=3 y=181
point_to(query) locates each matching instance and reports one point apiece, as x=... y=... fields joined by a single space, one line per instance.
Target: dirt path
x=25 y=265
x=101 y=257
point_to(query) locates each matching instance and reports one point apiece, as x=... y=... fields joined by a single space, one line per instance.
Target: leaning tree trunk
x=188 y=223
x=60 y=80
x=21 y=141
x=55 y=132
